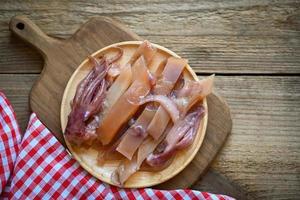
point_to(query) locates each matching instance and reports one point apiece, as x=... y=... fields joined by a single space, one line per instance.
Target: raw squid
x=111 y=96
x=145 y=49
x=182 y=137
x=114 y=71
x=125 y=76
x=115 y=68
x=113 y=120
x=137 y=132
x=199 y=90
x=149 y=145
x=124 y=171
x=178 y=137
x=107 y=153
x=166 y=103
x=128 y=167
x=120 y=85
x=88 y=100
x=92 y=95
x=188 y=98
x=115 y=58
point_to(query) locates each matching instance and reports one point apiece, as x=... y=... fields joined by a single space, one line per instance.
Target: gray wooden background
x=252 y=46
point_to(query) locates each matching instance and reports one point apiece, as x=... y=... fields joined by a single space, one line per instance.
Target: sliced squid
x=196 y=95
x=124 y=171
x=126 y=75
x=178 y=137
x=114 y=71
x=169 y=121
x=167 y=104
x=115 y=58
x=137 y=132
x=147 y=50
x=119 y=86
x=149 y=145
x=122 y=110
x=128 y=167
x=191 y=91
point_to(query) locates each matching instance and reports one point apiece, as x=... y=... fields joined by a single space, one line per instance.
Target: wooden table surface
x=252 y=46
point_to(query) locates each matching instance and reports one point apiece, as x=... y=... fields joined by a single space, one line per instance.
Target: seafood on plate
x=140 y=112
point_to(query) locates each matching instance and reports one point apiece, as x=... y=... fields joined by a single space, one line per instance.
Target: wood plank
x=16 y=88
x=233 y=37
x=218 y=184
x=261 y=155
x=236 y=54
x=267 y=17
x=61 y=58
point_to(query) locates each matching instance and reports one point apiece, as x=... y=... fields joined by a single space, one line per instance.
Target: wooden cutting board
x=63 y=56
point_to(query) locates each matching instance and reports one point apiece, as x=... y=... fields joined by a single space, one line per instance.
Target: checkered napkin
x=38 y=167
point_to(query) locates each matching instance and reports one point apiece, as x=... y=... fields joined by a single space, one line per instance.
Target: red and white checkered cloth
x=38 y=167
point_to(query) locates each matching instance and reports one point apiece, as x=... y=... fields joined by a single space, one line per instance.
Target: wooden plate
x=87 y=157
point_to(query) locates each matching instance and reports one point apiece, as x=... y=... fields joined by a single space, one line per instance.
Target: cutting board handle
x=30 y=32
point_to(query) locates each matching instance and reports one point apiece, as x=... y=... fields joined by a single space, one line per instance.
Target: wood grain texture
x=141 y=179
x=264 y=147
x=216 y=36
x=62 y=57
x=16 y=88
x=264 y=39
x=261 y=157
x=218 y=129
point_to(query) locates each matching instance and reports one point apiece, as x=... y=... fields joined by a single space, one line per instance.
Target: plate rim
x=83 y=164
